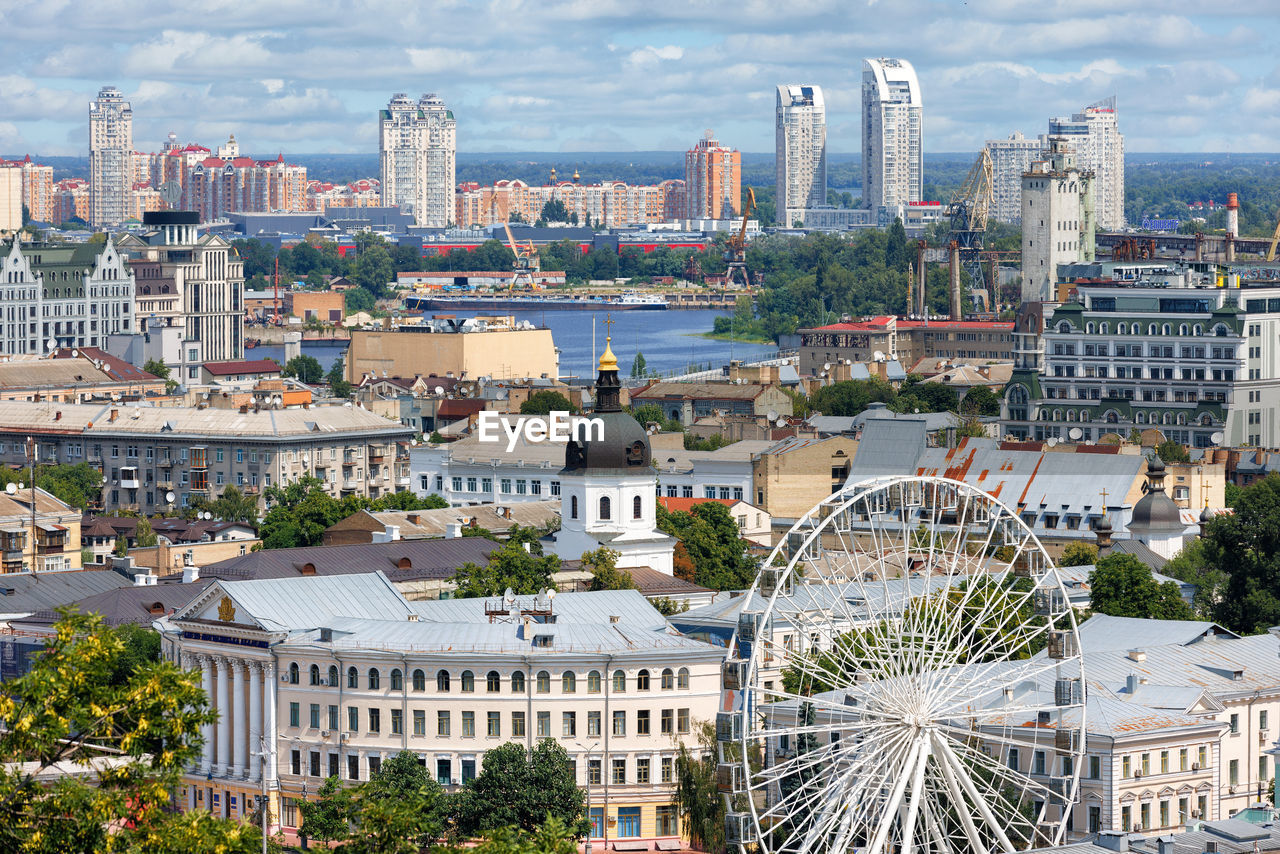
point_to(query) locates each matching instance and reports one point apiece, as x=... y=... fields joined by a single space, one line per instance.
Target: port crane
x=1271 y=250
x=968 y=210
x=736 y=248
x=526 y=256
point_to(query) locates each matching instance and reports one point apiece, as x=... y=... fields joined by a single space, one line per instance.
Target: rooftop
x=402 y=560
x=248 y=366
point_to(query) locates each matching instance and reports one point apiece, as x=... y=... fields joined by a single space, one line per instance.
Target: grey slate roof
x=126 y=605
x=888 y=448
x=291 y=604
x=435 y=559
x=25 y=593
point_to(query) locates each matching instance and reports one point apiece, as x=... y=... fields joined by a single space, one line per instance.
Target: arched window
x=544 y=682
x=397 y=680
x=1140 y=418
x=1220 y=330
x=682 y=679
x=604 y=507
x=1151 y=329
x=1123 y=329
x=573 y=507
x=1206 y=420
x=353 y=678
x=642 y=680
x=493 y=682
x=442 y=681
x=333 y=676
x=313 y=675
x=1064 y=327
x=1182 y=418
x=375 y=679
x=619 y=682
x=593 y=682
x=1104 y=328
x=468 y=682
x=637 y=509
x=668 y=679
x=517 y=683
x=1198 y=329
x=1182 y=329
x=419 y=680
x=1088 y=327
x=569 y=682
x=293 y=673
x=1166 y=329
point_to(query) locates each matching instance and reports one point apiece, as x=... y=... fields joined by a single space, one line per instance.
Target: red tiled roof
x=117 y=369
x=459 y=408
x=249 y=366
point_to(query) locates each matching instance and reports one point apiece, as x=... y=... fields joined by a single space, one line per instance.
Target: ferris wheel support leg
x=913 y=806
x=895 y=801
x=978 y=802
x=953 y=787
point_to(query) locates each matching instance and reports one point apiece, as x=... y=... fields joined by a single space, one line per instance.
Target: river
x=669 y=340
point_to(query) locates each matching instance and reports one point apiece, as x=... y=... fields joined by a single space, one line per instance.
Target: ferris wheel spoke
x=966 y=783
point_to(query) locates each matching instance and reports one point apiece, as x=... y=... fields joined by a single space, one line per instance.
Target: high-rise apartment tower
x=892 y=147
x=800 y=157
x=419 y=146
x=1010 y=158
x=1094 y=135
x=110 y=157
x=712 y=180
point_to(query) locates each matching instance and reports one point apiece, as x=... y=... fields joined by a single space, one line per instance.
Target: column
x=239 y=733
x=206 y=730
x=255 y=720
x=269 y=687
x=223 y=767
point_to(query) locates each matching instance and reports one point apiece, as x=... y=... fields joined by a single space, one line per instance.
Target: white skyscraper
x=1094 y=135
x=1057 y=219
x=419 y=146
x=110 y=157
x=800 y=157
x=1009 y=159
x=892 y=147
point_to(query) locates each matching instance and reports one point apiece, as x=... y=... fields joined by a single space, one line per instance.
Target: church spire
x=608 y=386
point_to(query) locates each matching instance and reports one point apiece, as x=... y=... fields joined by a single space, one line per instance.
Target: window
x=442 y=681
x=1202 y=757
x=468 y=682
x=397 y=722
x=493 y=682
x=333 y=718
x=637 y=510
x=573 y=507
x=544 y=724
x=1126 y=818
x=1126 y=770
x=397 y=680
x=313 y=675
x=668 y=769
x=468 y=724
x=642 y=680
x=375 y=679
x=1235 y=724
x=682 y=679
x=517 y=683
x=593 y=724
x=1037 y=762
x=605 y=508
x=1164 y=762
x=444 y=772
x=642 y=770
x=593 y=682
x=375 y=720
x=569 y=724
x=668 y=679
x=569 y=682
x=593 y=772
x=353 y=767
x=619 y=722
x=419 y=680
x=1095 y=767
x=353 y=718
x=619 y=775
x=619 y=682
x=1095 y=819
x=544 y=682
x=1262 y=719
x=667 y=824
x=1013 y=759
x=295 y=762
x=293 y=674
x=442 y=723
x=642 y=722
x=333 y=677
x=668 y=722
x=1233 y=771
x=315 y=715
x=682 y=721
x=295 y=714
x=493 y=724
x=1182 y=759
x=517 y=724
x=419 y=722
x=1144 y=815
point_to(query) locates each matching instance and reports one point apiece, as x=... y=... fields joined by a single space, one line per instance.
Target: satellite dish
x=171 y=192
x=168 y=497
x=1216 y=438
x=877 y=356
x=1053 y=442
x=439 y=389
x=773 y=415
x=551 y=593
x=51 y=344
x=1075 y=433
x=11 y=488
x=826 y=366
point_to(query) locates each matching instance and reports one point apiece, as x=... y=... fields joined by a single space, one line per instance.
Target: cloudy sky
x=610 y=75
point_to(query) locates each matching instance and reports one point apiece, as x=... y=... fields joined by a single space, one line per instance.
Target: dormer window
x=635 y=454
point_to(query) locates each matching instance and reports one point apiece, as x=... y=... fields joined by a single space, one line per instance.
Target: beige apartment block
x=502 y=353
x=797 y=473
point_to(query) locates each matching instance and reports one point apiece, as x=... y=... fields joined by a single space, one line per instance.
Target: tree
x=67 y=709
x=850 y=397
x=1078 y=554
x=546 y=401
x=510 y=566
x=521 y=788
x=78 y=485
x=232 y=505
x=1170 y=451
x=358 y=299
x=980 y=400
x=1192 y=566
x=159 y=369
x=605 y=575
x=398 y=811
x=1245 y=547
x=338 y=385
x=144 y=536
x=554 y=211
x=1122 y=586
x=639 y=367
x=305 y=368
x=326 y=818
x=553 y=837
x=697 y=797
x=709 y=537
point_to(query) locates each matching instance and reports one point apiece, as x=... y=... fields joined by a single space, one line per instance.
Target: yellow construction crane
x=968 y=210
x=1275 y=238
x=526 y=256
x=736 y=248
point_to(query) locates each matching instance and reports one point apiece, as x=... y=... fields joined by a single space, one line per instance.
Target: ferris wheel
x=905 y=678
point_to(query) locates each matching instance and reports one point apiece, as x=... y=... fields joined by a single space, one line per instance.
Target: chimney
x=393 y=533
x=453 y=530
x=954 y=268
x=1131 y=683
x=115 y=413
x=190 y=573
x=1137 y=655
x=1164 y=845
x=144 y=579
x=1113 y=840
x=414 y=519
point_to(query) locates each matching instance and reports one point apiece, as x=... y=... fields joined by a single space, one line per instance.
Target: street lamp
x=266 y=801
x=591 y=827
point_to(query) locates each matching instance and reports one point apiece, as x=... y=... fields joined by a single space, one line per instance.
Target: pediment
x=216 y=605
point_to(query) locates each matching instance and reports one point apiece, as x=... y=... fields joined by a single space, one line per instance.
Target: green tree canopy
x=1078 y=554
x=546 y=401
x=980 y=400
x=554 y=211
x=144 y=536
x=709 y=537
x=525 y=572
x=521 y=788
x=850 y=397
x=79 y=485
x=1122 y=586
x=602 y=563
x=305 y=368
x=1170 y=451
x=696 y=798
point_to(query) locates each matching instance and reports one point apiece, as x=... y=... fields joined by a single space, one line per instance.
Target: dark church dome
x=624 y=447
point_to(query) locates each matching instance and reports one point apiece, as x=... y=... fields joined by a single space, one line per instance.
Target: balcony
x=165 y=463
x=377 y=455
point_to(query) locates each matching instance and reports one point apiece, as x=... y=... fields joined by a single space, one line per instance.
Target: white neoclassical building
x=321 y=676
x=608 y=487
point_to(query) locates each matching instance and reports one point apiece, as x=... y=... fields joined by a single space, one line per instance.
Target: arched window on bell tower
x=573 y=507
x=604 y=508
x=637 y=508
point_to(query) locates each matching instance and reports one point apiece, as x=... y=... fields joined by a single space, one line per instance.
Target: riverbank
x=746 y=339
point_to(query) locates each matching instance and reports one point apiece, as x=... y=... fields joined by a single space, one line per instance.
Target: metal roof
x=1104 y=633
x=292 y=604
x=26 y=593
x=597 y=608
x=888 y=448
x=426 y=559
